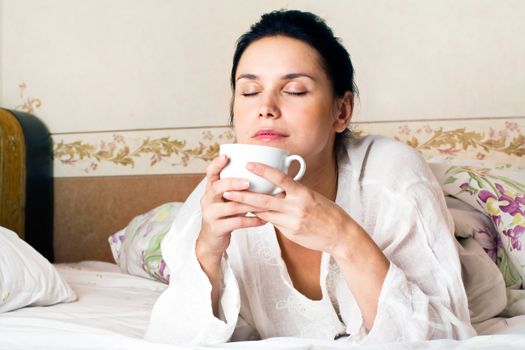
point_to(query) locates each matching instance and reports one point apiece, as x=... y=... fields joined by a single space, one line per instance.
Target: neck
x=321 y=175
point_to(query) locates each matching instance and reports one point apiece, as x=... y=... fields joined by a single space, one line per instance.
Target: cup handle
x=287 y=161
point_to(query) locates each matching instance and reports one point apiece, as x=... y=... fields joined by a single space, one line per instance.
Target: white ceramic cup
x=241 y=154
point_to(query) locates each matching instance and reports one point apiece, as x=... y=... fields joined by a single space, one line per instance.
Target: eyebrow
x=288 y=76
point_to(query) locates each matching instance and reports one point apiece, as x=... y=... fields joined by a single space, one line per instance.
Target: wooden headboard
x=26 y=179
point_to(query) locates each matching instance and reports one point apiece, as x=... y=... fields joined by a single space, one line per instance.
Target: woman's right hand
x=221 y=217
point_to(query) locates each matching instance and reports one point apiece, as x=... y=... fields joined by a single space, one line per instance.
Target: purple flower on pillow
x=162 y=269
x=468 y=188
x=485 y=195
x=506 y=203
x=515 y=205
x=512 y=205
x=514 y=234
x=493 y=205
x=489 y=240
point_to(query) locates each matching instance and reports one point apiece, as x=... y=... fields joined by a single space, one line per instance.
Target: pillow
x=478 y=249
x=136 y=248
x=26 y=277
x=500 y=195
x=484 y=284
x=471 y=223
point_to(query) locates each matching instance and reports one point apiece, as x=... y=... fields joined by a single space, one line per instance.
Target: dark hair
x=311 y=29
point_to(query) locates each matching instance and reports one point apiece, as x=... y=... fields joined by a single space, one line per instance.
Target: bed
x=111 y=275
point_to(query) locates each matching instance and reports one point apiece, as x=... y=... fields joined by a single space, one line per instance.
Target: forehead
x=280 y=55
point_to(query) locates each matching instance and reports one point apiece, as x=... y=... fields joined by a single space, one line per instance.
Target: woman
x=360 y=248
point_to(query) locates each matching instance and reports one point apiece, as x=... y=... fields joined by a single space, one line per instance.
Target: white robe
x=390 y=191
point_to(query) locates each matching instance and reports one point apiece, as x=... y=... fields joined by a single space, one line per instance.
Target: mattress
x=112 y=311
x=113 y=308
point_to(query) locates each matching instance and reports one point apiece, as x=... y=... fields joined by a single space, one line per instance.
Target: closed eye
x=248 y=94
x=293 y=93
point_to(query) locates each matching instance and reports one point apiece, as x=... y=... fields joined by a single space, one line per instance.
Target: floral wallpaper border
x=491 y=142
x=169 y=151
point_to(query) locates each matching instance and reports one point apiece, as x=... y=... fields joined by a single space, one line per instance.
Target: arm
x=422 y=296
x=202 y=303
x=183 y=313
x=211 y=266
x=362 y=263
x=219 y=219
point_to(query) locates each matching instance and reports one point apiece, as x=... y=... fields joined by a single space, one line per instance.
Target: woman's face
x=284 y=98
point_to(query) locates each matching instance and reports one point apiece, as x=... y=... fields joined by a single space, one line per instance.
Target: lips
x=269 y=134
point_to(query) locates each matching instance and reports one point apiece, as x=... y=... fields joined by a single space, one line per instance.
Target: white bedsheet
x=113 y=312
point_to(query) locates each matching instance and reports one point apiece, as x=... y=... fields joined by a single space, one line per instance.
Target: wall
x=121 y=80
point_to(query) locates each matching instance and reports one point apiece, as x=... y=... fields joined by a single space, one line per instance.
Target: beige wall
x=132 y=64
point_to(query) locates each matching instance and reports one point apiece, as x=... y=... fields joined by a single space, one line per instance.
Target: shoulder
x=383 y=148
x=387 y=161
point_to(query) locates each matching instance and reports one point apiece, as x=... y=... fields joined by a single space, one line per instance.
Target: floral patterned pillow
x=501 y=196
x=472 y=223
x=136 y=248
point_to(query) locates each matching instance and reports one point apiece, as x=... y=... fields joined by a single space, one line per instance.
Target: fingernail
x=245 y=183
x=228 y=195
x=250 y=166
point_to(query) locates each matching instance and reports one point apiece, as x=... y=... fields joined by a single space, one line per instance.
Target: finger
x=229 y=184
x=273 y=175
x=276 y=218
x=213 y=170
x=237 y=222
x=263 y=202
x=230 y=209
x=215 y=190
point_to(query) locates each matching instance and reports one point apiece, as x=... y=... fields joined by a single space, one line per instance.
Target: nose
x=269 y=107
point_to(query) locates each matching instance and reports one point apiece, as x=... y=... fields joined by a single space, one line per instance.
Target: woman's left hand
x=302 y=215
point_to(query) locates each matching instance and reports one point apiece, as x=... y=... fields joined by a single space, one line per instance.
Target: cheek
x=314 y=117
x=317 y=124
x=244 y=114
x=242 y=110
x=240 y=127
